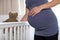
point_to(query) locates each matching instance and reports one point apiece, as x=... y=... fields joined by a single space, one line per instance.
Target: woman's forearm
x=26 y=15
x=49 y=4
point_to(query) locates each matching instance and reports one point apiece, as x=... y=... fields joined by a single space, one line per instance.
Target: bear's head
x=13 y=15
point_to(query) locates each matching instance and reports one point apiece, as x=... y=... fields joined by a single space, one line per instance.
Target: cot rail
x=14 y=31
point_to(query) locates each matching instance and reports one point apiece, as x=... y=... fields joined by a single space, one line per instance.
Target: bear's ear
x=10 y=15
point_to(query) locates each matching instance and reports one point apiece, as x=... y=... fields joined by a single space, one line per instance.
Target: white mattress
x=3 y=17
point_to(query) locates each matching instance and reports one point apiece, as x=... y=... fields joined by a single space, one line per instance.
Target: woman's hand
x=35 y=11
x=38 y=9
x=23 y=19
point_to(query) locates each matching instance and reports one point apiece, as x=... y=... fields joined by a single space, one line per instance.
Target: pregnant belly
x=43 y=18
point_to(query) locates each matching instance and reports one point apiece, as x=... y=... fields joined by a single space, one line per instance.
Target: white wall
x=56 y=10
x=9 y=5
x=57 y=13
x=12 y=5
x=5 y=6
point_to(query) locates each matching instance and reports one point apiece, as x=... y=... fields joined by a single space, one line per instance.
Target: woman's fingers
x=34 y=11
x=31 y=12
x=34 y=14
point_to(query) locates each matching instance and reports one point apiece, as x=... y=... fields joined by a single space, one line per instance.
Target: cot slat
x=11 y=34
x=14 y=33
x=18 y=33
x=6 y=33
x=27 y=35
x=23 y=32
x=1 y=34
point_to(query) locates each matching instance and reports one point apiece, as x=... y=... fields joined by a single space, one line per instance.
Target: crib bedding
x=3 y=17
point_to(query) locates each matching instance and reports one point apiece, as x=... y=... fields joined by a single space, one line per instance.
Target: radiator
x=16 y=31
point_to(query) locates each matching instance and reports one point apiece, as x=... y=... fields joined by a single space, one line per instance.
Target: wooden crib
x=16 y=31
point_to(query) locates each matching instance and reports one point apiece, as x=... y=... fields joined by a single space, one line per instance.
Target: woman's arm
x=50 y=4
x=37 y=9
x=26 y=15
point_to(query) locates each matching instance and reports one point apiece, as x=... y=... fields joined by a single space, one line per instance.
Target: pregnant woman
x=42 y=18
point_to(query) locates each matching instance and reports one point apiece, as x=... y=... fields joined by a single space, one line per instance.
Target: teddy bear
x=12 y=17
